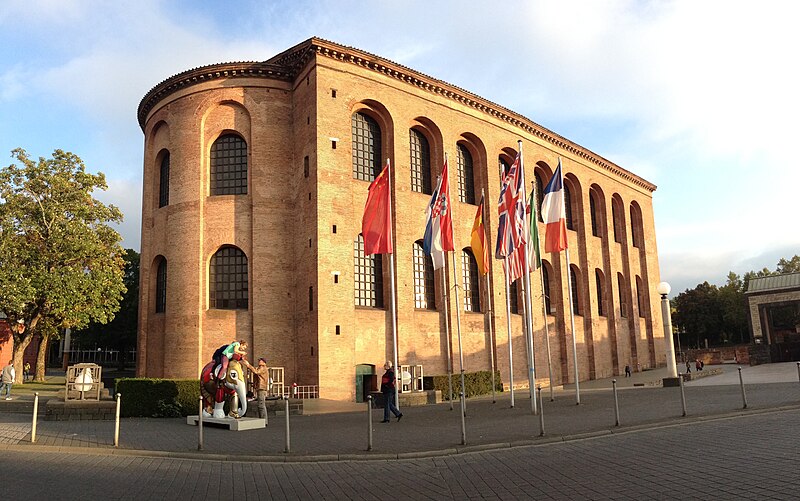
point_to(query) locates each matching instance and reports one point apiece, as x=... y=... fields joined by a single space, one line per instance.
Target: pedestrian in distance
x=627 y=371
x=262 y=384
x=688 y=367
x=389 y=389
x=7 y=380
x=698 y=367
x=26 y=371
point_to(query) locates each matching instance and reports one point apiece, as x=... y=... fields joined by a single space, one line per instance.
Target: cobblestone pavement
x=746 y=457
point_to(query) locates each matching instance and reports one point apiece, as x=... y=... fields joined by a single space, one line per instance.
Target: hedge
x=475 y=383
x=150 y=397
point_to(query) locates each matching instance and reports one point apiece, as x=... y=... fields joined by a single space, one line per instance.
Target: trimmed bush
x=475 y=383
x=150 y=397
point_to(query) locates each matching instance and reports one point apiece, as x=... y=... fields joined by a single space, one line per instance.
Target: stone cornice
x=289 y=64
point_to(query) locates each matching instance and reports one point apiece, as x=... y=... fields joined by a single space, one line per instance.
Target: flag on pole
x=554 y=214
x=376 y=224
x=511 y=209
x=439 y=224
x=533 y=243
x=478 y=241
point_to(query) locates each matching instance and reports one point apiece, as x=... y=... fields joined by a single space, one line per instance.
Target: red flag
x=376 y=225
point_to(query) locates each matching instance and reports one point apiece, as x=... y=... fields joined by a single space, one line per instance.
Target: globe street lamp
x=663 y=289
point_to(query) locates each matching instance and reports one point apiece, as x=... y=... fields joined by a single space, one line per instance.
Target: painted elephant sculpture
x=217 y=391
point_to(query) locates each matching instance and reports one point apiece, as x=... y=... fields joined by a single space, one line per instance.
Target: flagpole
x=489 y=302
x=393 y=307
x=458 y=326
x=544 y=298
x=508 y=315
x=447 y=333
x=528 y=308
x=571 y=315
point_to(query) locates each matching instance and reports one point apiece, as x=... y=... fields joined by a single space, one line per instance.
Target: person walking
x=388 y=389
x=627 y=371
x=7 y=380
x=262 y=384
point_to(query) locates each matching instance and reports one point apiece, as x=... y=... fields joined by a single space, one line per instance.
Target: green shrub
x=150 y=397
x=475 y=383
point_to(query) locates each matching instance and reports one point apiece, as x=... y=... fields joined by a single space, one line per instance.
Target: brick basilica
x=255 y=180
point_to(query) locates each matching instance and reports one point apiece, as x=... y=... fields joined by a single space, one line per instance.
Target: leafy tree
x=698 y=313
x=60 y=261
x=120 y=333
x=788 y=266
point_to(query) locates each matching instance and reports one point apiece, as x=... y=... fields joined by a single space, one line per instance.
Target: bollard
x=463 y=423
x=541 y=411
x=798 y=371
x=288 y=447
x=683 y=395
x=200 y=426
x=35 y=414
x=741 y=384
x=616 y=403
x=116 y=422
x=369 y=423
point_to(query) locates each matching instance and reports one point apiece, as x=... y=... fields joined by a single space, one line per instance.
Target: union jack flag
x=511 y=209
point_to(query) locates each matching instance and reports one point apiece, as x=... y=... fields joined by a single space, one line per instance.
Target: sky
x=701 y=98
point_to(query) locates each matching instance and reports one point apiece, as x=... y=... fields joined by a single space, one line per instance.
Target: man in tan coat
x=262 y=384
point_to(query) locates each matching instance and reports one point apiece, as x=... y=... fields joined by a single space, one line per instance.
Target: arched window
x=601 y=299
x=472 y=291
x=466 y=180
x=366 y=147
x=227 y=279
x=229 y=166
x=513 y=297
x=161 y=286
x=424 y=289
x=163 y=182
x=640 y=303
x=636 y=225
x=576 y=301
x=623 y=306
x=420 y=163
x=539 y=195
x=616 y=215
x=546 y=288
x=568 y=207
x=368 y=273
x=593 y=212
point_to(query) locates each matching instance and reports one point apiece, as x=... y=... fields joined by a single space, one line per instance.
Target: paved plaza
x=718 y=451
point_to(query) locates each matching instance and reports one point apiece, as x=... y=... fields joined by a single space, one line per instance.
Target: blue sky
x=699 y=97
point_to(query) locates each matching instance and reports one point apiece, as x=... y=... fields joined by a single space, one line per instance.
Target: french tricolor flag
x=439 y=222
x=554 y=213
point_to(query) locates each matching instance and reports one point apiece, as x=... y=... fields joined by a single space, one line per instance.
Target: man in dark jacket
x=388 y=389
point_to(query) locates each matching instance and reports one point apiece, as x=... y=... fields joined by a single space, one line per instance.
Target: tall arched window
x=576 y=300
x=227 y=279
x=623 y=305
x=368 y=274
x=546 y=287
x=229 y=166
x=163 y=181
x=424 y=289
x=568 y=207
x=601 y=299
x=366 y=147
x=472 y=290
x=161 y=286
x=640 y=303
x=636 y=225
x=466 y=179
x=539 y=195
x=616 y=215
x=513 y=297
x=593 y=213
x=420 y=162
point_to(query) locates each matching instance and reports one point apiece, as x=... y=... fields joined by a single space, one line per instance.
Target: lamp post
x=663 y=289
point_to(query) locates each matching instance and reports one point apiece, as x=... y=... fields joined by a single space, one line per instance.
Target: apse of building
x=255 y=180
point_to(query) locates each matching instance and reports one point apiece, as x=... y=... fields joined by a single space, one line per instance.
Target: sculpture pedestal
x=232 y=424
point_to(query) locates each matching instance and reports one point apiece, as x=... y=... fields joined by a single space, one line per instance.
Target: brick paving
x=718 y=451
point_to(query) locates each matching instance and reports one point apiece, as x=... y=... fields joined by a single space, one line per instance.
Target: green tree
x=733 y=308
x=60 y=260
x=788 y=266
x=120 y=333
x=697 y=313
